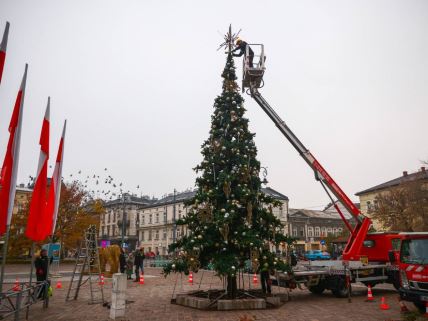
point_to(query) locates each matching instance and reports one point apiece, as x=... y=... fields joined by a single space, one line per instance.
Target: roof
x=421 y=175
x=332 y=210
x=313 y=214
x=131 y=199
x=275 y=194
x=184 y=196
x=146 y=202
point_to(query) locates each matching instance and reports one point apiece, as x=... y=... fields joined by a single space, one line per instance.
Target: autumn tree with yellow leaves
x=75 y=213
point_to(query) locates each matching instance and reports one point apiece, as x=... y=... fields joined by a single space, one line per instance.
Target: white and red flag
x=9 y=170
x=3 y=47
x=55 y=188
x=37 y=216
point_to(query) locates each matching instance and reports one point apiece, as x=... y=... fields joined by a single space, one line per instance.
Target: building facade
x=368 y=196
x=156 y=222
x=311 y=227
x=111 y=229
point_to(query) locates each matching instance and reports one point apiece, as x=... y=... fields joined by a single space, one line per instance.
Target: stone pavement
x=151 y=301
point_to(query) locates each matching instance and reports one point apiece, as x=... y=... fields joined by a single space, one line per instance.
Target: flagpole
x=46 y=298
x=31 y=278
x=3 y=261
x=12 y=187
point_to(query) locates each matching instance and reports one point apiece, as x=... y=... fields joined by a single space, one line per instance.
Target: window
x=143 y=219
x=142 y=236
x=157 y=218
x=302 y=231
x=164 y=217
x=310 y=231
x=329 y=230
x=150 y=218
x=164 y=234
x=317 y=231
x=157 y=235
x=150 y=235
x=323 y=231
x=369 y=206
x=369 y=243
x=294 y=231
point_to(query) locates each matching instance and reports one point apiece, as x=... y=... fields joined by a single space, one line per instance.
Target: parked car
x=317 y=255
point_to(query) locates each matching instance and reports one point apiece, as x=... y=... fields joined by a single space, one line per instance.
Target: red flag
x=55 y=188
x=37 y=220
x=3 y=47
x=11 y=159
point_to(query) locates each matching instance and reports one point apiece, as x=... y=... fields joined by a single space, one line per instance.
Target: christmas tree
x=230 y=219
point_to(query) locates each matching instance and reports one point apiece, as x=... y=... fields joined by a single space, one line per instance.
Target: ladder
x=88 y=265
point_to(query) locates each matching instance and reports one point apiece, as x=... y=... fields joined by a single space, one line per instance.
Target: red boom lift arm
x=252 y=79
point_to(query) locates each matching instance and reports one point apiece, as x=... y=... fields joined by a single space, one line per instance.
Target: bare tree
x=404 y=207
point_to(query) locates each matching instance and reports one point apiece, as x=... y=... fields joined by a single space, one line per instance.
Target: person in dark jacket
x=41 y=265
x=265 y=280
x=139 y=263
x=122 y=261
x=242 y=46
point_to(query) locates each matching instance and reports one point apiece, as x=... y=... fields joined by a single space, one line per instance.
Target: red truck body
x=413 y=263
x=376 y=246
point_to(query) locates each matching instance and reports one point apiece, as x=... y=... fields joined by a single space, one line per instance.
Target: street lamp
x=123 y=220
x=264 y=173
x=174 y=227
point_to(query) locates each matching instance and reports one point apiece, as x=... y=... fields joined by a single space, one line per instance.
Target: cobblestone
x=151 y=301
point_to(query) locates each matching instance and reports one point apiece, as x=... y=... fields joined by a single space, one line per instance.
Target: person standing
x=129 y=266
x=265 y=280
x=139 y=263
x=122 y=260
x=41 y=265
x=242 y=46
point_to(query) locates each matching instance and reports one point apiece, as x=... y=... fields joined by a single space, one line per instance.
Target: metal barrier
x=13 y=302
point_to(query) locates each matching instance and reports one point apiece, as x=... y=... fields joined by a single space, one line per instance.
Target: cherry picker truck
x=366 y=256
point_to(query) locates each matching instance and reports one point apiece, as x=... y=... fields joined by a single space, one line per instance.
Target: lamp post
x=264 y=173
x=174 y=226
x=123 y=220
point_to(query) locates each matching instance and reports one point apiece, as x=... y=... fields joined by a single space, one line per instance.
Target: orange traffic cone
x=141 y=278
x=383 y=305
x=370 y=297
x=59 y=284
x=101 y=279
x=16 y=286
x=191 y=278
x=403 y=307
x=255 y=280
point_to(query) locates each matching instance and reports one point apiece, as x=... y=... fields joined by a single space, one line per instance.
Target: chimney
x=405 y=173
x=423 y=169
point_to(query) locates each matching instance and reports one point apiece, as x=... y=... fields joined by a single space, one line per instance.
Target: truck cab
x=413 y=263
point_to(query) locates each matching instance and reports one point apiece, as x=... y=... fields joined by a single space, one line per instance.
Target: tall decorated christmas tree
x=230 y=219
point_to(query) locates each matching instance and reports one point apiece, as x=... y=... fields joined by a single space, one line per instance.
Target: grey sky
x=137 y=79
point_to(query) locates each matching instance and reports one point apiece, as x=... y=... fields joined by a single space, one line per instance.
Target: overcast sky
x=137 y=80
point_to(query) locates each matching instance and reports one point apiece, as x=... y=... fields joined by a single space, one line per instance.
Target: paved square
x=151 y=301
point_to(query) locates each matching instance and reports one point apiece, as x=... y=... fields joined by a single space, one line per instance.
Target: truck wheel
x=420 y=305
x=340 y=290
x=317 y=289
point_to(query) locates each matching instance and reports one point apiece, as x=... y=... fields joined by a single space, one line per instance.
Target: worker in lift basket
x=242 y=45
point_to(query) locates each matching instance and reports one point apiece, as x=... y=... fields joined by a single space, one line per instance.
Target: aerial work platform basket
x=252 y=75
